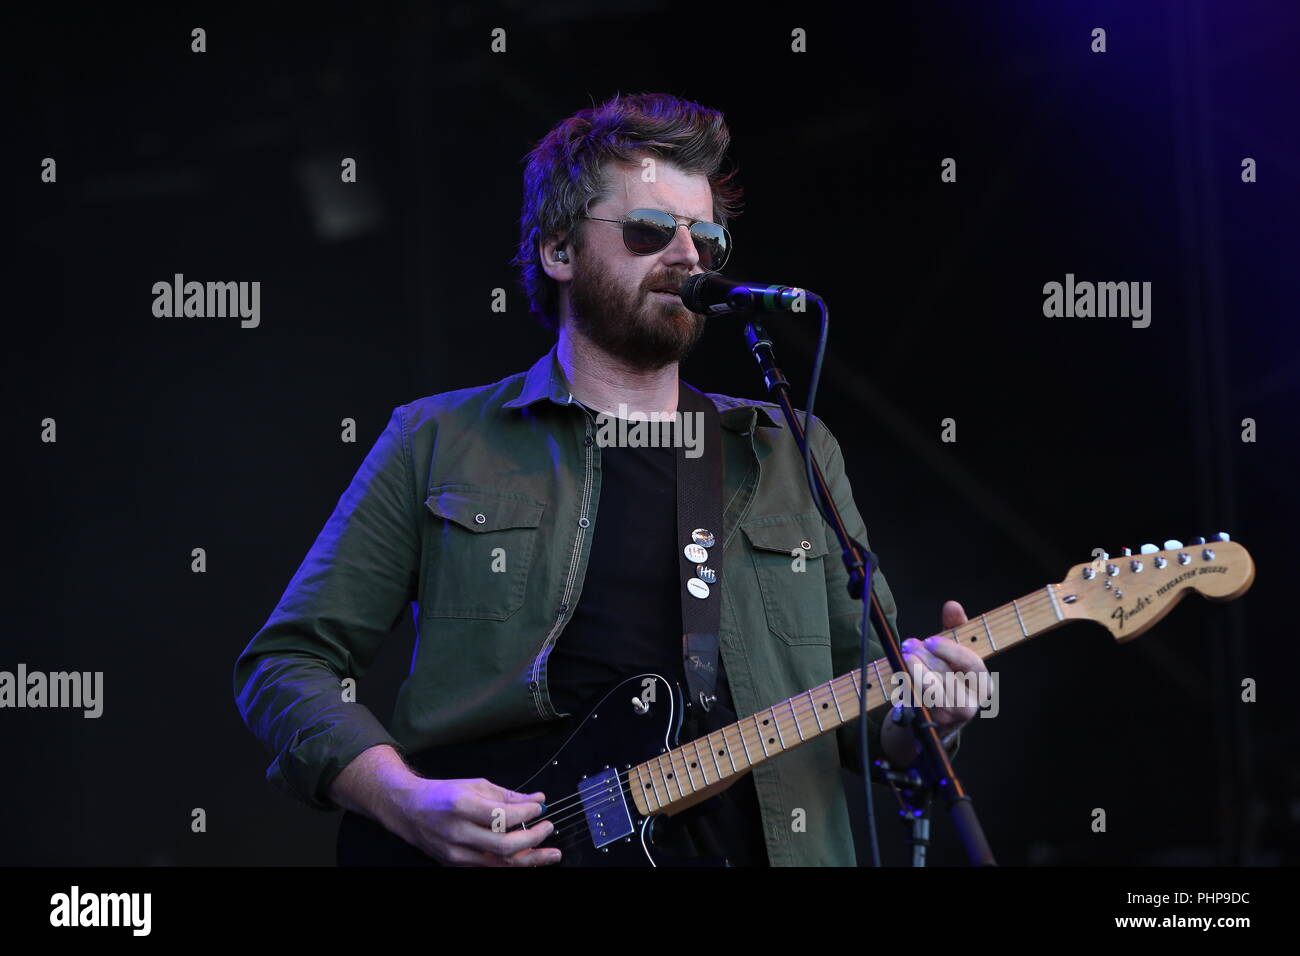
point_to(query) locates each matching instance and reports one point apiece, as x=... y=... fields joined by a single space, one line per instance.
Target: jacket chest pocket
x=482 y=544
x=788 y=553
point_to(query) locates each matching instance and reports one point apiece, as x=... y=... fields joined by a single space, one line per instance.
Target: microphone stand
x=934 y=765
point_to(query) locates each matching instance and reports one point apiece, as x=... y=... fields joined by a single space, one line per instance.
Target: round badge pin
x=706 y=573
x=695 y=554
x=703 y=537
x=697 y=587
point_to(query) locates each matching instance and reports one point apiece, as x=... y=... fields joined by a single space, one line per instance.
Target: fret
x=1055 y=607
x=761 y=735
x=659 y=761
x=686 y=766
x=1018 y=619
x=954 y=635
x=816 y=716
x=672 y=776
x=726 y=746
x=879 y=683
x=744 y=746
x=835 y=699
x=713 y=752
x=777 y=724
x=649 y=791
x=795 y=713
x=992 y=643
x=699 y=760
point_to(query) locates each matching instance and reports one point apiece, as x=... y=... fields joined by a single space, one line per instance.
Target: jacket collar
x=545 y=380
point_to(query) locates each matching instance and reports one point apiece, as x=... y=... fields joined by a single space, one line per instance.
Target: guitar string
x=568 y=829
x=574 y=801
x=778 y=708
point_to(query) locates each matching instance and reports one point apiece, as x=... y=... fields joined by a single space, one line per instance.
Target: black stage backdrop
x=175 y=434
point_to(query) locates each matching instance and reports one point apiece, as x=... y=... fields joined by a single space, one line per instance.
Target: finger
x=921 y=650
x=952 y=703
x=921 y=677
x=503 y=808
x=544 y=857
x=955 y=656
x=953 y=614
x=497 y=840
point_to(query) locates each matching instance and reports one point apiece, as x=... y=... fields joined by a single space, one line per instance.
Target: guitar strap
x=699 y=541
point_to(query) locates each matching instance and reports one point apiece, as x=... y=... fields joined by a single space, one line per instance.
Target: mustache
x=667 y=282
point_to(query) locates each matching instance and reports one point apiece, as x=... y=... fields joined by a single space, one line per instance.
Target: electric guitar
x=611 y=776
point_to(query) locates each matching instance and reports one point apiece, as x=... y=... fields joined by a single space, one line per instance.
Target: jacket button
x=479 y=519
x=532 y=685
x=583 y=523
x=588 y=441
x=563 y=608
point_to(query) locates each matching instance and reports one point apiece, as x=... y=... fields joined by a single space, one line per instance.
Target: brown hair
x=564 y=173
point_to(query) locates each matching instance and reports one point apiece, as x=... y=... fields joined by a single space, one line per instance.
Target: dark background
x=1073 y=434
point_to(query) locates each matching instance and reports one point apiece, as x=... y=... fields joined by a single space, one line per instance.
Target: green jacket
x=515 y=465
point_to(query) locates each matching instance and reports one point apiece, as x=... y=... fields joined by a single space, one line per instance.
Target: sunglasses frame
x=690 y=225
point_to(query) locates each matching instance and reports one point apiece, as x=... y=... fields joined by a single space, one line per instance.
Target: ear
x=557 y=258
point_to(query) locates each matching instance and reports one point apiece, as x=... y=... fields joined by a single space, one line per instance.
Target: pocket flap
x=481 y=509
x=785 y=533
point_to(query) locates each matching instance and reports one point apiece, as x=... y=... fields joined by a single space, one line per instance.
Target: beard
x=639 y=328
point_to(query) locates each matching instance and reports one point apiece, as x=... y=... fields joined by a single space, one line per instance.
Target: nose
x=681 y=251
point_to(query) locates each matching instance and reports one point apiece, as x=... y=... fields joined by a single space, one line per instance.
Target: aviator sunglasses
x=647 y=231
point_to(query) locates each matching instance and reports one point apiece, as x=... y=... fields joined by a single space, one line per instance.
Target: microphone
x=712 y=294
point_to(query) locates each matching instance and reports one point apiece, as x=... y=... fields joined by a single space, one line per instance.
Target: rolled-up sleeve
x=350 y=591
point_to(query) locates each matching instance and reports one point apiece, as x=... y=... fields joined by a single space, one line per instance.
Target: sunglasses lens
x=646 y=231
x=712 y=243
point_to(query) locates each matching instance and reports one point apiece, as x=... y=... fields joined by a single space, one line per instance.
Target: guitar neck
x=692 y=772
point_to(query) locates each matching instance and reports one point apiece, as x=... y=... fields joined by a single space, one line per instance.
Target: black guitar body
x=580 y=765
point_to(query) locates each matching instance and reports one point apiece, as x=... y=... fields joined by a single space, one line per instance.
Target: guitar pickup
x=605 y=807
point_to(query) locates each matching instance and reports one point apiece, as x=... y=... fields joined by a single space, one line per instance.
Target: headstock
x=1130 y=592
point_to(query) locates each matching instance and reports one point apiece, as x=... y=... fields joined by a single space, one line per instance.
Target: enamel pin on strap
x=699 y=512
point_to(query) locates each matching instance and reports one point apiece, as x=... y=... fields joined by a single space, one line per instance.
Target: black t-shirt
x=629 y=621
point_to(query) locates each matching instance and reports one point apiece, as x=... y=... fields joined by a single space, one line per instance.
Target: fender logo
x=1122 y=615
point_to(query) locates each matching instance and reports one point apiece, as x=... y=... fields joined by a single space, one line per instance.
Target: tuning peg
x=1198 y=541
x=1128 y=552
x=1173 y=544
x=1220 y=536
x=1148 y=549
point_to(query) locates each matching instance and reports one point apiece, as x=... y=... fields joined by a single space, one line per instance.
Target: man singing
x=545 y=564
